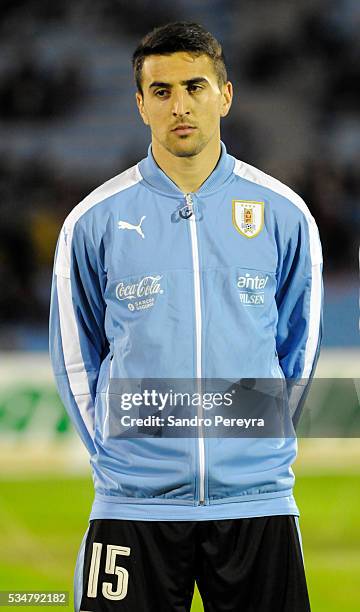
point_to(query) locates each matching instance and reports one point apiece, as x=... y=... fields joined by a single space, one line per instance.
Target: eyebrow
x=187 y=82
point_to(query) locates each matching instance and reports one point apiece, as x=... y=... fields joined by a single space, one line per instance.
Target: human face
x=182 y=102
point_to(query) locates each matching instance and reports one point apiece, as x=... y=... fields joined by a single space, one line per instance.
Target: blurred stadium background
x=68 y=122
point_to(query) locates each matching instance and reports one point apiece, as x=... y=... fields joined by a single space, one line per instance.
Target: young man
x=192 y=266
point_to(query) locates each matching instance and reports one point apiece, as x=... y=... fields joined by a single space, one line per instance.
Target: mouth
x=184 y=129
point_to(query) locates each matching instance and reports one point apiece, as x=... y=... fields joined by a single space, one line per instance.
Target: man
x=192 y=266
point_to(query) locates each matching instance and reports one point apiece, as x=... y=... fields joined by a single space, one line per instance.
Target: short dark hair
x=179 y=36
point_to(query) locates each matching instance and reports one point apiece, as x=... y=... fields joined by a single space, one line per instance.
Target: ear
x=141 y=108
x=226 y=98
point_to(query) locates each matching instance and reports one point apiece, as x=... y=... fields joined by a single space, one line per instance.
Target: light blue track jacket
x=150 y=283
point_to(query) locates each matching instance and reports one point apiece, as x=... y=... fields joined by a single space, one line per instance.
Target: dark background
x=68 y=122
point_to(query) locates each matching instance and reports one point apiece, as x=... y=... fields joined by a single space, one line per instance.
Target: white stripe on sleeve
x=314 y=320
x=74 y=364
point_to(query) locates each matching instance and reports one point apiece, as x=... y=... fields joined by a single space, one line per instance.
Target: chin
x=187 y=150
x=191 y=153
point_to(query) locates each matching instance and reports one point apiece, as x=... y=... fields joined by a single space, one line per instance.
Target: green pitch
x=42 y=522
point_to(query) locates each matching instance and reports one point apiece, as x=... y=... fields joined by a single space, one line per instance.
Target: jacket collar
x=156 y=177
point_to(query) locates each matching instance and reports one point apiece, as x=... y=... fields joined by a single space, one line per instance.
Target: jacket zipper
x=198 y=324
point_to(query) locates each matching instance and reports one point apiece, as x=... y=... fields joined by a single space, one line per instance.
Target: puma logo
x=130 y=226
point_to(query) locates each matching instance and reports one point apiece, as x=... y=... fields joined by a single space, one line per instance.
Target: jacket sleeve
x=77 y=339
x=299 y=300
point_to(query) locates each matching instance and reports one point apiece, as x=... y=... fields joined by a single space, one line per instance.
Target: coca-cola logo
x=148 y=285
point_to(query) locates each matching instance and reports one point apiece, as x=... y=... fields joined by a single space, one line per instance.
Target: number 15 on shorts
x=108 y=590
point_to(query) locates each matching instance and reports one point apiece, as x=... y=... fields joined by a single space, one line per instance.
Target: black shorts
x=240 y=565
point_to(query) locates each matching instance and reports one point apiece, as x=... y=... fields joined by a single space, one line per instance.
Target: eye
x=194 y=88
x=161 y=93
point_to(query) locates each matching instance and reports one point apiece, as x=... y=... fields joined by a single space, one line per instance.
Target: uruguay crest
x=248 y=217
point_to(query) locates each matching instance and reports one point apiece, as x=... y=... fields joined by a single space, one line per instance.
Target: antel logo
x=148 y=285
x=252 y=282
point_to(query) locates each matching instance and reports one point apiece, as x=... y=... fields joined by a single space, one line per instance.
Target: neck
x=188 y=173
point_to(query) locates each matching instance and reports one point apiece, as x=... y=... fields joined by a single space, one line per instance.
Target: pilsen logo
x=147 y=286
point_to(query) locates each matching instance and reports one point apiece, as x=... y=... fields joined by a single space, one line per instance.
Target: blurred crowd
x=312 y=55
x=29 y=92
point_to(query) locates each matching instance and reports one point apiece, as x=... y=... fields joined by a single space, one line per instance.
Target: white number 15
x=110 y=568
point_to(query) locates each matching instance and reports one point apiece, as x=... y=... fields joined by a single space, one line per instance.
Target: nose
x=180 y=104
